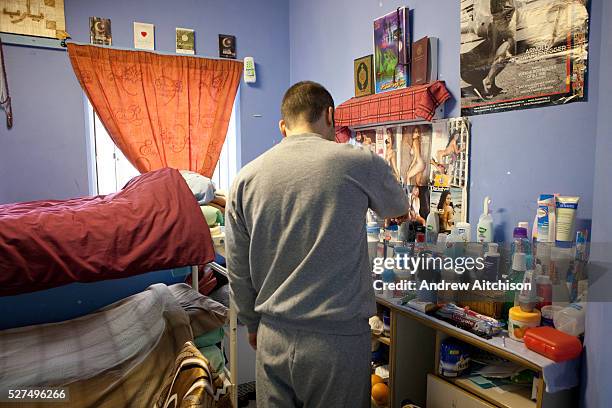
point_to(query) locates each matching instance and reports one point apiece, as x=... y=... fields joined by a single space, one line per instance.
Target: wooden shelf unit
x=414 y=355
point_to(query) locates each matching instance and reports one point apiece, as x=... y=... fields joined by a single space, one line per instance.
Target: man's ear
x=282 y=126
x=329 y=116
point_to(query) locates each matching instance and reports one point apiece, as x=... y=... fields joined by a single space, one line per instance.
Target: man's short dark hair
x=306 y=101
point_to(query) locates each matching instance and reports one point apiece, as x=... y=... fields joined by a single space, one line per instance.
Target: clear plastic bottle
x=373 y=238
x=521 y=243
x=516 y=275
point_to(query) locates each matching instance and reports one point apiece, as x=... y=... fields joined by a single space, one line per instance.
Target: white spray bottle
x=485 y=223
x=431 y=233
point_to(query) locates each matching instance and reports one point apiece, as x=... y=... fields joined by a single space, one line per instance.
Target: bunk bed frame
x=233 y=331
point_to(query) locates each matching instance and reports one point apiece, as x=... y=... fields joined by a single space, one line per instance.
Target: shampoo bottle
x=485 y=223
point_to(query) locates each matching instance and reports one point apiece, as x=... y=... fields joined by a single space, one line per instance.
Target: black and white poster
x=520 y=54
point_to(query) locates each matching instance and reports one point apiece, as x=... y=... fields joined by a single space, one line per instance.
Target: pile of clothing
x=212 y=201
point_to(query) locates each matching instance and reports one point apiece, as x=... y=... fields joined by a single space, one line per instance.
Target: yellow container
x=520 y=321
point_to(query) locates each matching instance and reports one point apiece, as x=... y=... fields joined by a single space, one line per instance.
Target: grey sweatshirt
x=296 y=241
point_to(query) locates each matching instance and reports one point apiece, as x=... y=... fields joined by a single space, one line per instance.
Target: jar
x=519 y=321
x=548 y=314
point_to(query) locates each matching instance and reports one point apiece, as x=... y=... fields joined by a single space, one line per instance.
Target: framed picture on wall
x=41 y=18
x=364 y=77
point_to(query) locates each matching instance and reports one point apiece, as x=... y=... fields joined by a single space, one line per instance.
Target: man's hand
x=253 y=340
x=398 y=220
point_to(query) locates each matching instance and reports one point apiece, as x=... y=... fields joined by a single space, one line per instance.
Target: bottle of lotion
x=485 y=223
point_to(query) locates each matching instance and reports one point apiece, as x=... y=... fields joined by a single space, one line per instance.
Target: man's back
x=302 y=206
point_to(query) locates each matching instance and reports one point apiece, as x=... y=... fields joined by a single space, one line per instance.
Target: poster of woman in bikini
x=415 y=152
x=391 y=150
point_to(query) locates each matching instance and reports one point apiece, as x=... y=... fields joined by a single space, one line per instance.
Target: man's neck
x=306 y=130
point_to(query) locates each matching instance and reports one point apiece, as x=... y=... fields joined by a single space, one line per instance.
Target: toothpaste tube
x=566 y=219
x=546 y=218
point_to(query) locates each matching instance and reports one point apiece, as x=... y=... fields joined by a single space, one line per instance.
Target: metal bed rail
x=233 y=330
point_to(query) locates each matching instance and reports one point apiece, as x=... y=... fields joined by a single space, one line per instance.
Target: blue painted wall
x=515 y=156
x=44 y=156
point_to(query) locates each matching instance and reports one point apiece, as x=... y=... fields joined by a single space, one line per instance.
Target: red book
x=420 y=62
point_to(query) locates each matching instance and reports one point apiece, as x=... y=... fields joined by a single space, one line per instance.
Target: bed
x=136 y=352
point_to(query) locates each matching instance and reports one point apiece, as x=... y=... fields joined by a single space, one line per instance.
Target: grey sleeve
x=237 y=244
x=385 y=194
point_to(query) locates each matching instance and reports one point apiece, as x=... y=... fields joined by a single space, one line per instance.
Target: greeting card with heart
x=144 y=36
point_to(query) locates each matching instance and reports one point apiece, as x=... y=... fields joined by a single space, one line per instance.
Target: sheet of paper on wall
x=144 y=36
x=41 y=18
x=100 y=31
x=185 y=41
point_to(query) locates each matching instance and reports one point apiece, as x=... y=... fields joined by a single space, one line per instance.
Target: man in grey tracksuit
x=297 y=257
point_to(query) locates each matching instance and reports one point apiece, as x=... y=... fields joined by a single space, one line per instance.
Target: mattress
x=153 y=223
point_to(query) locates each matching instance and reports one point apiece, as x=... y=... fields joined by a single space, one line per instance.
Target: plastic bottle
x=571 y=319
x=561 y=261
x=431 y=235
x=440 y=248
x=372 y=232
x=491 y=263
x=516 y=275
x=388 y=276
x=527 y=297
x=454 y=244
x=484 y=230
x=521 y=243
x=393 y=232
x=524 y=224
x=544 y=291
x=465 y=231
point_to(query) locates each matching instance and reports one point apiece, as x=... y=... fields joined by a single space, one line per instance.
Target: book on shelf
x=424 y=67
x=392 y=45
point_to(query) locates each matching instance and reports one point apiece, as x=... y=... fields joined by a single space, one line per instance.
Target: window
x=110 y=170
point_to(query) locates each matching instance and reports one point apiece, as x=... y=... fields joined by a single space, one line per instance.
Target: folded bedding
x=202 y=187
x=119 y=356
x=153 y=223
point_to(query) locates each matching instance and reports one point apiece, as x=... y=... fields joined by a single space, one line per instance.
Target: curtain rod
x=60 y=45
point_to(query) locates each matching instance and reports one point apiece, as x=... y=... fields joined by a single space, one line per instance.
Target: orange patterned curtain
x=160 y=110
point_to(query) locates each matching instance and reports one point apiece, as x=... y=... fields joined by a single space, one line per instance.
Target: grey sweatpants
x=297 y=368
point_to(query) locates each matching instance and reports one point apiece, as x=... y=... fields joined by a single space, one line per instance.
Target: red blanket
x=154 y=223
